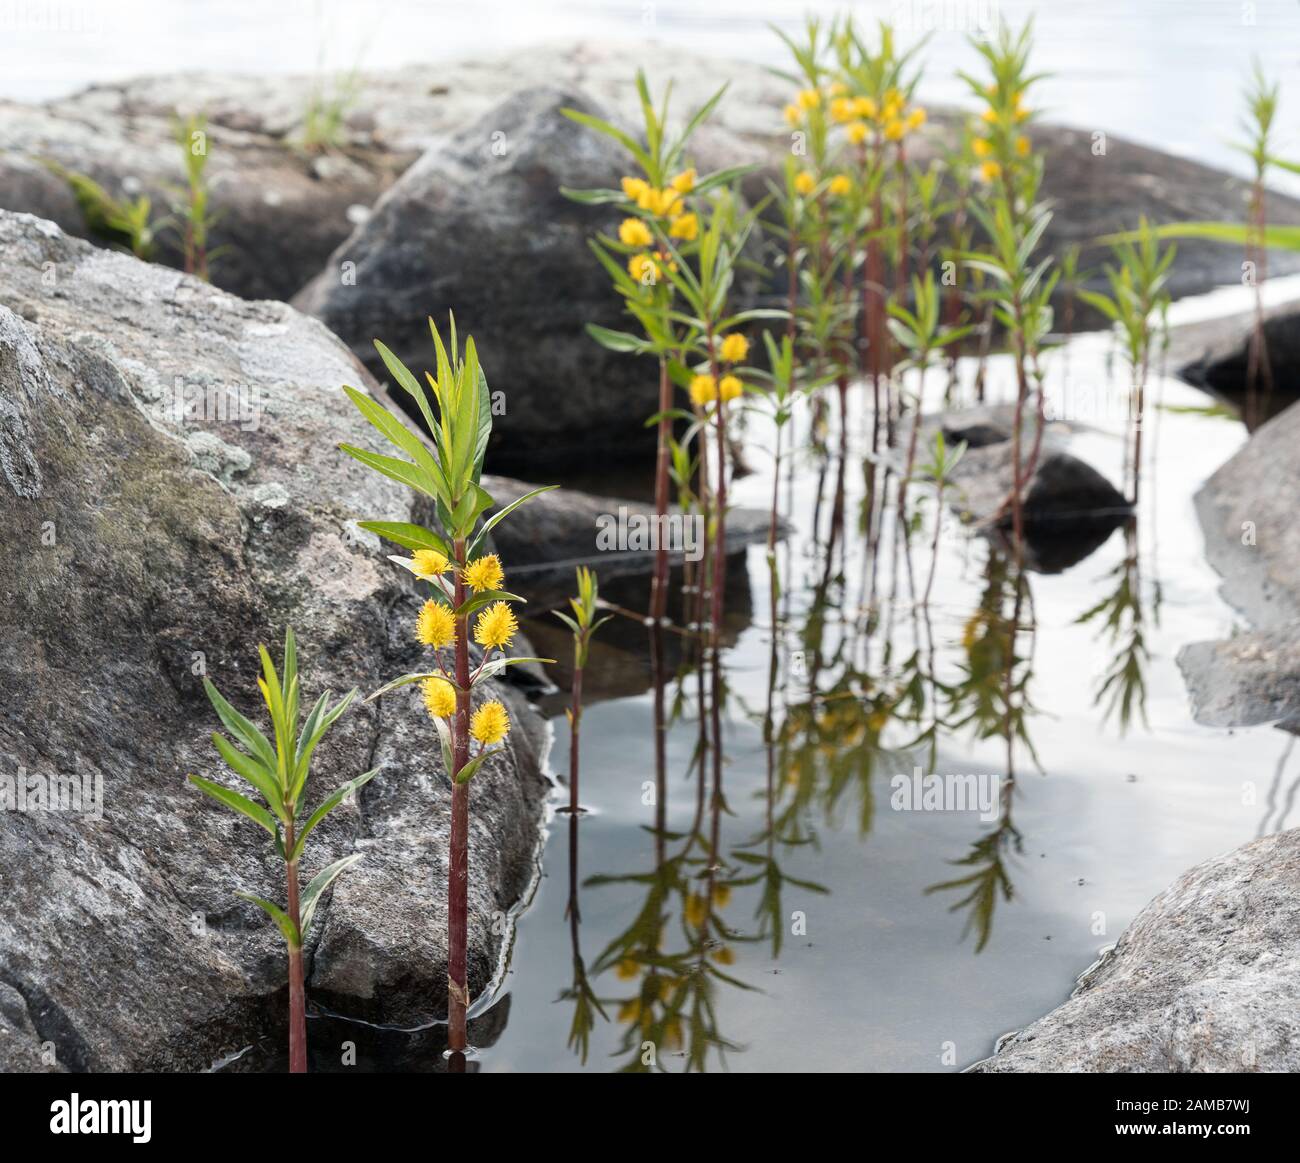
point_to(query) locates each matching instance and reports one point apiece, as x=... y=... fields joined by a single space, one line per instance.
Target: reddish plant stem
x=297 y=992
x=719 y=567
x=458 y=867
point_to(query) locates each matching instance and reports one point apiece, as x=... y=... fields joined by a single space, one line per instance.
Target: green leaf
x=402 y=471
x=328 y=805
x=319 y=883
x=408 y=536
x=241 y=804
x=478 y=601
x=466 y=773
x=253 y=771
x=402 y=374
x=404 y=680
x=497 y=665
x=497 y=517
x=240 y=727
x=394 y=430
x=279 y=916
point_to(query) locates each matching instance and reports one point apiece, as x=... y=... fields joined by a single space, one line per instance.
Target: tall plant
x=279 y=774
x=465 y=582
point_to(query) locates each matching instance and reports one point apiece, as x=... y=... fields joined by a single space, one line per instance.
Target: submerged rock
x=1247 y=511
x=1202 y=981
x=171 y=495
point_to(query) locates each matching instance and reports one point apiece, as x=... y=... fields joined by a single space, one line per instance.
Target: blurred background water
x=1163 y=72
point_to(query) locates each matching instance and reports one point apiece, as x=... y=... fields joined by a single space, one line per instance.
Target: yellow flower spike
x=805 y=183
x=428 y=564
x=842 y=109
x=627 y=969
x=629 y=1011
x=838 y=89
x=990 y=115
x=730 y=388
x=697 y=910
x=704 y=390
x=865 y=107
x=793 y=115
x=809 y=99
x=840 y=185
x=436 y=625
x=496 y=626
x=734 y=347
x=916 y=118
x=634 y=232
x=1022 y=146
x=980 y=147
x=990 y=171
x=643 y=269
x=894 y=130
x=857 y=132
x=439 y=697
x=687 y=228
x=684 y=182
x=635 y=187
x=724 y=955
x=485 y=573
x=722 y=895
x=490 y=723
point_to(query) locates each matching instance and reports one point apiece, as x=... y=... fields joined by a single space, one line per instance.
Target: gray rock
x=1251 y=539
x=147 y=542
x=1202 y=981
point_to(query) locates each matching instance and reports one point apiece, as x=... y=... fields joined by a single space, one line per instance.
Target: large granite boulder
x=149 y=543
x=1202 y=981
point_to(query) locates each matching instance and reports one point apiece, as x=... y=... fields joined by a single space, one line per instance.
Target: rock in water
x=1203 y=981
x=478 y=226
x=1247 y=511
x=170 y=495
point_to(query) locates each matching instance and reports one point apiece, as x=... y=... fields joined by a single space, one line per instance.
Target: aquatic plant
x=125 y=221
x=190 y=206
x=583 y=624
x=1136 y=305
x=279 y=774
x=465 y=581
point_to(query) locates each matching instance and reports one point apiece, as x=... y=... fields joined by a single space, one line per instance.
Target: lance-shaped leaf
x=402 y=471
x=328 y=805
x=477 y=601
x=501 y=514
x=407 y=535
x=404 y=680
x=319 y=883
x=256 y=773
x=394 y=430
x=497 y=665
x=242 y=728
x=282 y=919
x=466 y=773
x=241 y=804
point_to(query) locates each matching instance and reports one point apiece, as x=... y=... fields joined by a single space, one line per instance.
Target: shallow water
x=1129 y=68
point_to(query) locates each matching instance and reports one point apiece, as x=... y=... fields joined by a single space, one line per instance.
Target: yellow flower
x=439 y=697
x=893 y=97
x=704 y=390
x=658 y=202
x=730 y=388
x=838 y=89
x=627 y=969
x=436 y=625
x=894 y=130
x=857 y=132
x=916 y=118
x=634 y=232
x=485 y=573
x=1018 y=109
x=686 y=228
x=809 y=99
x=865 y=107
x=793 y=114
x=722 y=895
x=980 y=147
x=697 y=910
x=990 y=115
x=428 y=564
x=990 y=171
x=724 y=955
x=629 y=1011
x=634 y=187
x=496 y=626
x=842 y=109
x=684 y=182
x=805 y=183
x=490 y=723
x=840 y=185
x=734 y=347
x=1022 y=146
x=643 y=268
